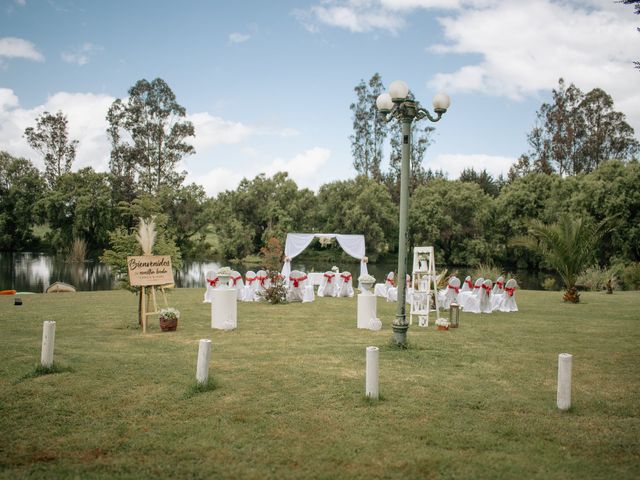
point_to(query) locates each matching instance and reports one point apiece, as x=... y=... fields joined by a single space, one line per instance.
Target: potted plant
x=442 y=324
x=366 y=283
x=169 y=319
x=224 y=274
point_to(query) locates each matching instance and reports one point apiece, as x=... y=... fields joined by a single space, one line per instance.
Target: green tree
x=369 y=129
x=20 y=189
x=577 y=132
x=568 y=246
x=50 y=138
x=484 y=179
x=636 y=4
x=80 y=206
x=154 y=122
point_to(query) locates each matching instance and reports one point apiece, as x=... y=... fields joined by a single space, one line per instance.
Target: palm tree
x=568 y=246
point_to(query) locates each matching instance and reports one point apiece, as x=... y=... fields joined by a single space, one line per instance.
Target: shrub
x=630 y=276
x=549 y=284
x=276 y=292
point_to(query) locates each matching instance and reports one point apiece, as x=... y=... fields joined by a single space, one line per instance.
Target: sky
x=268 y=84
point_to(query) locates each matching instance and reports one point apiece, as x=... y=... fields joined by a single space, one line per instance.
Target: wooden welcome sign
x=149 y=271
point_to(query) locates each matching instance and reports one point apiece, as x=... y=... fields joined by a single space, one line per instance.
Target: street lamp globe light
x=395 y=104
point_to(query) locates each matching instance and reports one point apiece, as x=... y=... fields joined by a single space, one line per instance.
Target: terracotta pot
x=168 y=324
x=443 y=327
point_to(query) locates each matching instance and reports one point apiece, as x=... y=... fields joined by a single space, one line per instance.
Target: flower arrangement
x=224 y=271
x=170 y=313
x=335 y=269
x=366 y=278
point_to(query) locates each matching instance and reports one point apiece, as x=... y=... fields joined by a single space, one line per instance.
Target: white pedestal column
x=204 y=355
x=48 y=339
x=371 y=380
x=563 y=399
x=224 y=309
x=367 y=310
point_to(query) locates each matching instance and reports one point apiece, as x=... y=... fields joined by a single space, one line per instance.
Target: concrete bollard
x=371 y=380
x=564 y=381
x=204 y=355
x=48 y=339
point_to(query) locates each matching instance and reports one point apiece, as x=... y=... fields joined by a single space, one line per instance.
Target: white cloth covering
x=467 y=286
x=296 y=243
x=328 y=287
x=249 y=289
x=345 y=285
x=497 y=294
x=464 y=297
x=449 y=295
x=381 y=289
x=262 y=282
x=210 y=279
x=299 y=289
x=508 y=303
x=392 y=292
x=236 y=283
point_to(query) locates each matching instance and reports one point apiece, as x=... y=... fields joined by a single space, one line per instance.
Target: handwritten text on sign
x=149 y=270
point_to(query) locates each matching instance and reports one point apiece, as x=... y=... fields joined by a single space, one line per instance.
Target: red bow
x=329 y=277
x=500 y=285
x=468 y=282
x=213 y=282
x=251 y=280
x=346 y=278
x=262 y=280
x=487 y=289
x=296 y=280
x=235 y=280
x=390 y=281
x=477 y=286
x=455 y=288
x=510 y=291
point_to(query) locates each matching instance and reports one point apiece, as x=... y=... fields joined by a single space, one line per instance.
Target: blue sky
x=268 y=84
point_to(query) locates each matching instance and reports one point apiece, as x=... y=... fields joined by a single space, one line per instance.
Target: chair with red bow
x=508 y=303
x=345 y=285
x=262 y=283
x=467 y=285
x=480 y=302
x=328 y=285
x=392 y=292
x=449 y=295
x=497 y=293
x=381 y=289
x=249 y=288
x=236 y=282
x=211 y=280
x=470 y=295
x=299 y=289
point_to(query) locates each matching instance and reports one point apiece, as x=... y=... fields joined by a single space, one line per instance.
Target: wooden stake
x=144 y=311
x=48 y=339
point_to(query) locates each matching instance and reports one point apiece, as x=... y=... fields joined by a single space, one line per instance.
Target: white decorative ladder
x=424 y=280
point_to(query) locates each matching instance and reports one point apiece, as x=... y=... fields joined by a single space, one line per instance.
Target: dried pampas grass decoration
x=146 y=235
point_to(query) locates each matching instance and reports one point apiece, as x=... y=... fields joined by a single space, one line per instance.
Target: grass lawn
x=476 y=402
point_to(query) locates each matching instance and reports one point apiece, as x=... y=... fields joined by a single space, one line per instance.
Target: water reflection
x=34 y=272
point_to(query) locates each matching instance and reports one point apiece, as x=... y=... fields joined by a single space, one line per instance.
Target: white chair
x=392 y=292
x=480 y=303
x=211 y=280
x=262 y=283
x=345 y=285
x=328 y=285
x=249 y=289
x=467 y=286
x=380 y=290
x=449 y=295
x=508 y=303
x=497 y=294
x=236 y=282
x=464 y=297
x=299 y=289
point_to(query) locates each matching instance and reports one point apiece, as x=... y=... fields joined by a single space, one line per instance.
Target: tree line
x=582 y=163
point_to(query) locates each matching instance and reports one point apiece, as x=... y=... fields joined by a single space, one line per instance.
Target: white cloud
x=237 y=37
x=526 y=47
x=82 y=54
x=303 y=168
x=212 y=131
x=86 y=120
x=354 y=15
x=454 y=163
x=12 y=47
x=22 y=3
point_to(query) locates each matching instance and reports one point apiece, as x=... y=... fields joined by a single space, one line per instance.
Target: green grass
x=286 y=396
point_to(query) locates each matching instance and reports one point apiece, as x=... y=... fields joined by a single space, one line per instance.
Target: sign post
x=149 y=271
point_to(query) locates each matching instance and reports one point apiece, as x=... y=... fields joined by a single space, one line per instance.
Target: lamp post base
x=400 y=334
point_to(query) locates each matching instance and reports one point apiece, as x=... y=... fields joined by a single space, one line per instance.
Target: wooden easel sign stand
x=150 y=271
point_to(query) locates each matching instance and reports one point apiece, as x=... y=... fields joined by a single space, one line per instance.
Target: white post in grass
x=48 y=338
x=204 y=355
x=564 y=381
x=371 y=381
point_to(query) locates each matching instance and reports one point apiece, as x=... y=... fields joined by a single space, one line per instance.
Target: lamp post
x=395 y=104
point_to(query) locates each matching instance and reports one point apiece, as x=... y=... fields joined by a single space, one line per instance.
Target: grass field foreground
x=475 y=402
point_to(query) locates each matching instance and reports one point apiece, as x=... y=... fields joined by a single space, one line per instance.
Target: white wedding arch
x=297 y=242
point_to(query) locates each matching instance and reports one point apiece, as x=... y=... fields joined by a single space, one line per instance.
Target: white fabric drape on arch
x=296 y=243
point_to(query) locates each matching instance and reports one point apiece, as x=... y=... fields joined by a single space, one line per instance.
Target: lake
x=34 y=272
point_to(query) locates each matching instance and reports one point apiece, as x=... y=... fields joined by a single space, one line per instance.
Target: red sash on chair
x=262 y=280
x=346 y=278
x=329 y=277
x=468 y=282
x=487 y=289
x=213 y=282
x=251 y=280
x=390 y=281
x=454 y=288
x=500 y=285
x=510 y=291
x=235 y=280
x=296 y=280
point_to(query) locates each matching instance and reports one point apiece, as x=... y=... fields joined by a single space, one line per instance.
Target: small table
x=224 y=308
